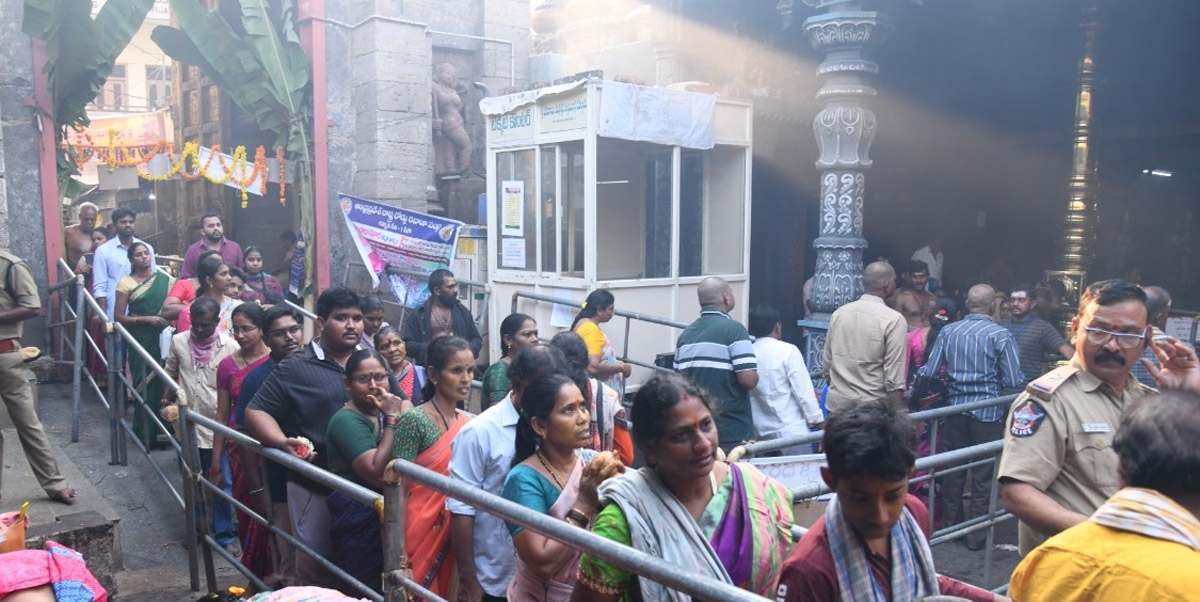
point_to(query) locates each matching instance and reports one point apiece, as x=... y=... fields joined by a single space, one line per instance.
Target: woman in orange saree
x=423 y=436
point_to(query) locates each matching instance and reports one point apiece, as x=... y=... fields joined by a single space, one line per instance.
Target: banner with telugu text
x=391 y=236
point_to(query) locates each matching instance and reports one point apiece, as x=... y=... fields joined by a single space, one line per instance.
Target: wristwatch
x=579 y=517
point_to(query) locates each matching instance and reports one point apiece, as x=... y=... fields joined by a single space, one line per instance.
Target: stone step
x=89 y=526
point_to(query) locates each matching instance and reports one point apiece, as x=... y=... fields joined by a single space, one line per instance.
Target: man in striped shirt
x=715 y=352
x=981 y=359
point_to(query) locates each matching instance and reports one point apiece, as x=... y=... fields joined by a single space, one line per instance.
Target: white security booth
x=599 y=184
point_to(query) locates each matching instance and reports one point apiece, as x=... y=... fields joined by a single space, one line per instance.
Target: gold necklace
x=553 y=473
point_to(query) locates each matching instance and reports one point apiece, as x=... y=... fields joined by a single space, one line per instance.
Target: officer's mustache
x=1103 y=355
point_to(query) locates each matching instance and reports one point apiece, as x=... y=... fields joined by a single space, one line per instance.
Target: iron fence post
x=991 y=531
x=115 y=440
x=395 y=556
x=933 y=450
x=194 y=472
x=77 y=363
x=189 y=502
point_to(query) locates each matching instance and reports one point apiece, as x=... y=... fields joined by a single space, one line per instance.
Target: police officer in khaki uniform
x=19 y=301
x=1058 y=464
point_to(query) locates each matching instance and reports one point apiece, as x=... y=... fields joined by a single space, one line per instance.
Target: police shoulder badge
x=1027 y=418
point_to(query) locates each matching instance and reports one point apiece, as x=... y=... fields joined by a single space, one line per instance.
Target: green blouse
x=495 y=385
x=603 y=578
x=415 y=433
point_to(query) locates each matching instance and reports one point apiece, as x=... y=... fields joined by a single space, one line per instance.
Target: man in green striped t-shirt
x=715 y=352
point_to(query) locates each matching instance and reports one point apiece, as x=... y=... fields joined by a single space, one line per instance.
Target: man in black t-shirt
x=297 y=400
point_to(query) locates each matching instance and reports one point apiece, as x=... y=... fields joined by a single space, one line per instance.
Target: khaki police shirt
x=15 y=276
x=1059 y=439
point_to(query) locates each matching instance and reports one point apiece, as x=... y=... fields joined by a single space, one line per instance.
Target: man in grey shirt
x=1035 y=337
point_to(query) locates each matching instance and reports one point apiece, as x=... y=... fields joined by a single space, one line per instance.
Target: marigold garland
x=114 y=155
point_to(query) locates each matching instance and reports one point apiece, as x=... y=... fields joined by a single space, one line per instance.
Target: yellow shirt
x=1095 y=562
x=593 y=336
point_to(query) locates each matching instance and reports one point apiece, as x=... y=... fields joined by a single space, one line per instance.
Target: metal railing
x=624 y=557
x=629 y=316
x=195 y=487
x=984 y=456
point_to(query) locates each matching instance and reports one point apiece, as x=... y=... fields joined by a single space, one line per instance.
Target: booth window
x=550 y=212
x=711 y=212
x=517 y=209
x=633 y=210
x=571 y=208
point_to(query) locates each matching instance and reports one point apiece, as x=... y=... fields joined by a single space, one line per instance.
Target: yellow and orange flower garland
x=116 y=155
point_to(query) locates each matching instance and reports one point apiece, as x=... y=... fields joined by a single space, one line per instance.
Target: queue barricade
x=630 y=317
x=984 y=456
x=393 y=580
x=121 y=391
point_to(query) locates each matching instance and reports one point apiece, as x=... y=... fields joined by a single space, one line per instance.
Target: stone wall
x=379 y=64
x=20 y=184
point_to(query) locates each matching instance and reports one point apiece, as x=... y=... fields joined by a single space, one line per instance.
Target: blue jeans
x=222 y=521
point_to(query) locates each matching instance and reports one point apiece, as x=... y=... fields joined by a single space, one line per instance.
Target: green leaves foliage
x=261 y=65
x=80 y=51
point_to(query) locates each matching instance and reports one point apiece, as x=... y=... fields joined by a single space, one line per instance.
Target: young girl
x=261 y=287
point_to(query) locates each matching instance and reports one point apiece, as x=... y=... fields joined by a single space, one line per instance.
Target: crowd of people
x=1100 y=472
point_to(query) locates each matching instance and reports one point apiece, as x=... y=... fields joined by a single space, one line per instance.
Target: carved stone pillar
x=844 y=127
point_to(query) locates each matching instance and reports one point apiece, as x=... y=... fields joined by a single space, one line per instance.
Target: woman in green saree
x=140 y=296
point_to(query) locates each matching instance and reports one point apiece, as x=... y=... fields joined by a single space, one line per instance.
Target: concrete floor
x=151 y=527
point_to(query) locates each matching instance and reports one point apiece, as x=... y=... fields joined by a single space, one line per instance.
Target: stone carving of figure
x=451 y=145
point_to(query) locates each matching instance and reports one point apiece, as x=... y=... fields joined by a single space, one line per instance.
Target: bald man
x=864 y=350
x=715 y=352
x=981 y=359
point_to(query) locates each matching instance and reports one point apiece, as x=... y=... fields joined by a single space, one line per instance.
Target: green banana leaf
x=264 y=69
x=206 y=41
x=80 y=51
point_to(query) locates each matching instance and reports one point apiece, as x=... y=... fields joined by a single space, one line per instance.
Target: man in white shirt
x=784 y=403
x=931 y=254
x=481 y=456
x=111 y=262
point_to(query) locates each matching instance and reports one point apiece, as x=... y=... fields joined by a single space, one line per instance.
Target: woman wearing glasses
x=359 y=442
x=251 y=352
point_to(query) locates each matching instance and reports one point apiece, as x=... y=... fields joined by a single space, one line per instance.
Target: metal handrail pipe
x=61 y=285
x=95 y=306
x=945 y=411
x=141 y=400
x=96 y=348
x=625 y=557
x=620 y=312
x=304 y=312
x=757 y=448
x=149 y=360
x=157 y=469
x=258 y=583
x=357 y=492
x=60 y=324
x=946 y=471
x=970 y=525
x=341 y=574
x=936 y=461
